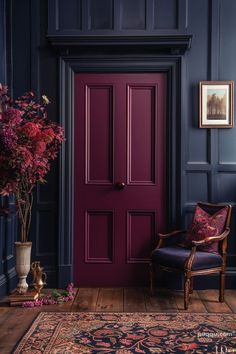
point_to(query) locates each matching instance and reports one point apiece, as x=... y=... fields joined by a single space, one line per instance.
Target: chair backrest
x=212 y=208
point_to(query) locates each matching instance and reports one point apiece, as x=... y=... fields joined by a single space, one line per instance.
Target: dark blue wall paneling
x=7 y=220
x=3 y=68
x=208 y=156
x=30 y=60
x=125 y=17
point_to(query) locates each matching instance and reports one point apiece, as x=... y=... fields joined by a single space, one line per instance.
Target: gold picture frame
x=216 y=104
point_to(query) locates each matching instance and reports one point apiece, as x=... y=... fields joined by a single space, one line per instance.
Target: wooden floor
x=15 y=321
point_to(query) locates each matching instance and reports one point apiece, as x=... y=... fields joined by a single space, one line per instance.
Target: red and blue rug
x=128 y=333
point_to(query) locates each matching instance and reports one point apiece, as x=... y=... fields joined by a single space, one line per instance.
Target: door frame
x=69 y=65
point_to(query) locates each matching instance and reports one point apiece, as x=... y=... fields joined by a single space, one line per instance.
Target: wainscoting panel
x=123 y=17
x=133 y=17
x=197 y=186
x=163 y=7
x=73 y=20
x=45 y=227
x=227 y=147
x=225 y=181
x=100 y=14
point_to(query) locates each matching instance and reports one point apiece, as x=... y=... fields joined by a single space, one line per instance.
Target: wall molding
x=163 y=44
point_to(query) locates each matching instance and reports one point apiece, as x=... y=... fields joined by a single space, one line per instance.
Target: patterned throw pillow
x=205 y=225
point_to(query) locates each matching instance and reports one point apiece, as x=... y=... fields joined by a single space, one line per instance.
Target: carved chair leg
x=151 y=273
x=222 y=286
x=191 y=286
x=186 y=291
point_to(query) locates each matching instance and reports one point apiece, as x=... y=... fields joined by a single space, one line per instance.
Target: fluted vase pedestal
x=23 y=261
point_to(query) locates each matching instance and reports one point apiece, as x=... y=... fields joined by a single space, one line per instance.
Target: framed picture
x=216 y=104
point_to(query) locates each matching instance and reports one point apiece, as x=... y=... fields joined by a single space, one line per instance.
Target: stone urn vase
x=23 y=261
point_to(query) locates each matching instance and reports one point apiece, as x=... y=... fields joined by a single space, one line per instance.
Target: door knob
x=120 y=185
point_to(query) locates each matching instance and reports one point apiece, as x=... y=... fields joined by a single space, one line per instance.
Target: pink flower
x=25 y=157
x=47 y=135
x=40 y=147
x=30 y=129
x=8 y=138
x=28 y=304
x=12 y=116
x=70 y=288
x=28 y=141
x=8 y=189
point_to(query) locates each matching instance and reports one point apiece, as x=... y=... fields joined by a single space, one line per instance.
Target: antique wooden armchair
x=192 y=260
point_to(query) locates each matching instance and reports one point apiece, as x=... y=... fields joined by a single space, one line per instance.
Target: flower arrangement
x=28 y=141
x=56 y=297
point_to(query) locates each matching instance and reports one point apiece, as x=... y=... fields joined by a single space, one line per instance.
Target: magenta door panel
x=99 y=138
x=99 y=236
x=119 y=137
x=141 y=120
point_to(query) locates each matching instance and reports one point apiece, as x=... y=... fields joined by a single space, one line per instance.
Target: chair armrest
x=163 y=237
x=212 y=239
x=173 y=233
x=195 y=244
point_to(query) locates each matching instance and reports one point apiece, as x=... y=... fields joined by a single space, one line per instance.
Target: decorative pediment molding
x=162 y=44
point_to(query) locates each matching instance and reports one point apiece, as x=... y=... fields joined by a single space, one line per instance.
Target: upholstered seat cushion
x=175 y=257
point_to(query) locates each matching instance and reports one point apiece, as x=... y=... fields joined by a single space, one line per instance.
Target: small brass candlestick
x=39 y=277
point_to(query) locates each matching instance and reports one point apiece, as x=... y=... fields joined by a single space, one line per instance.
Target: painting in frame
x=216 y=104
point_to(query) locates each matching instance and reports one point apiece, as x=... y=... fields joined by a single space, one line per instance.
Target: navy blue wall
x=28 y=63
x=208 y=162
x=8 y=222
x=2 y=42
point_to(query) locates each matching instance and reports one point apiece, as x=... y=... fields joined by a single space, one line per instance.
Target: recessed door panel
x=141 y=226
x=99 y=133
x=120 y=176
x=141 y=117
x=99 y=232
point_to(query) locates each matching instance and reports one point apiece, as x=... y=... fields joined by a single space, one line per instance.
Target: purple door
x=119 y=176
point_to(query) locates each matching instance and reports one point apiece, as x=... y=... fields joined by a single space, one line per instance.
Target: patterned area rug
x=127 y=333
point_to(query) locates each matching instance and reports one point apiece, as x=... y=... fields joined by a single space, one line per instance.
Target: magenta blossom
x=29 y=141
x=52 y=300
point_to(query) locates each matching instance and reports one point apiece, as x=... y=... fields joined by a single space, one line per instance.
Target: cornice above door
x=162 y=44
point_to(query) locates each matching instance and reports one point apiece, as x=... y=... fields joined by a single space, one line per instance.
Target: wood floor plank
x=110 y=300
x=195 y=303
x=85 y=300
x=210 y=299
x=64 y=307
x=134 y=300
x=15 y=327
x=162 y=301
x=4 y=312
x=230 y=299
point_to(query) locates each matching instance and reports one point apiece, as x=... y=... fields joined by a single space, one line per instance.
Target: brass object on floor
x=39 y=277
